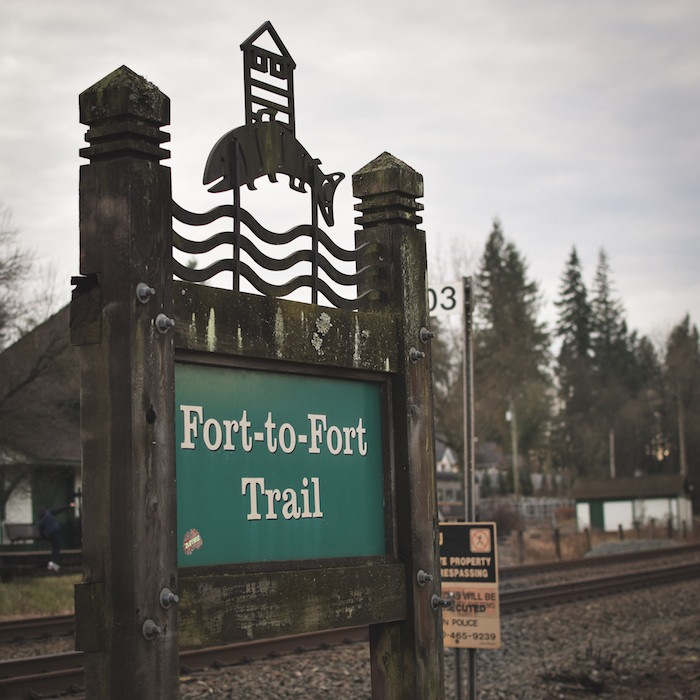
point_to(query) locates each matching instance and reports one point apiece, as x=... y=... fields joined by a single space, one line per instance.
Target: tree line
x=589 y=397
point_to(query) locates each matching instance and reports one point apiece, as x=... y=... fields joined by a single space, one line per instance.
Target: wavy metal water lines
x=301 y=234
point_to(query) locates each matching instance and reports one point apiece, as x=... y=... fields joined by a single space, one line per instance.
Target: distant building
x=445 y=458
x=607 y=504
x=448 y=481
x=40 y=417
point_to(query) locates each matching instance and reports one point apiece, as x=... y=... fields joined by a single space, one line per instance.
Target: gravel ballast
x=644 y=644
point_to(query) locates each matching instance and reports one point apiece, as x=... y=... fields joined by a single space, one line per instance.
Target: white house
x=608 y=504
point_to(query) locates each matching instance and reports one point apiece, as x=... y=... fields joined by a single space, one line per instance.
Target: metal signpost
x=252 y=466
x=446 y=299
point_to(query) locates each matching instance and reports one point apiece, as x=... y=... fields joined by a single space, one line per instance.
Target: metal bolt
x=144 y=292
x=415 y=355
x=437 y=602
x=424 y=577
x=163 y=323
x=168 y=598
x=425 y=335
x=150 y=629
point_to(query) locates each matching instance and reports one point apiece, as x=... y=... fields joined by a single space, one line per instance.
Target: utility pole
x=681 y=435
x=514 y=443
x=612 y=453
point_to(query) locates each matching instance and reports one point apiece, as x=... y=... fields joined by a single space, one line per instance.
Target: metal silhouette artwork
x=267 y=146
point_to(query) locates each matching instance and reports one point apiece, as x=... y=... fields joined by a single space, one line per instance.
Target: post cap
x=124 y=93
x=384 y=174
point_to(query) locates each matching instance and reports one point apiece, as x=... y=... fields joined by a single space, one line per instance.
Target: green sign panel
x=274 y=466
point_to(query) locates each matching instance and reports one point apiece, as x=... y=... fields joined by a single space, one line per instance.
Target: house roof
x=249 y=43
x=40 y=396
x=659 y=486
x=440 y=447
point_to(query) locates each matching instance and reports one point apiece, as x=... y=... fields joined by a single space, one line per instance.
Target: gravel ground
x=641 y=645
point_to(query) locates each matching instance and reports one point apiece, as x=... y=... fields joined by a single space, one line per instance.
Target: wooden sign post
x=252 y=466
x=127 y=399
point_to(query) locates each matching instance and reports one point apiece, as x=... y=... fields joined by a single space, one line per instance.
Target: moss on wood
x=215 y=320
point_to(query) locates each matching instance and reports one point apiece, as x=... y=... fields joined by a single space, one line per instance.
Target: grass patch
x=47 y=595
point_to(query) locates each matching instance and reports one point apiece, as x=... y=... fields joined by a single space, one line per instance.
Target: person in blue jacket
x=49 y=530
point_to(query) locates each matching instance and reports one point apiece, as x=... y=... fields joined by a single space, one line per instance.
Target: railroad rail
x=586 y=562
x=528 y=599
x=32 y=562
x=43 y=676
x=59 y=625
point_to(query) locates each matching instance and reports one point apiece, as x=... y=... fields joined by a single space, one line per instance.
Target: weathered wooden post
x=119 y=319
x=521 y=545
x=557 y=542
x=407 y=655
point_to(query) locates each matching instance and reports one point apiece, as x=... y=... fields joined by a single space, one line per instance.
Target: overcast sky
x=577 y=124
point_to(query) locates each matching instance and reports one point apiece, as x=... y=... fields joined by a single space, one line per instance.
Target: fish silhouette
x=269 y=147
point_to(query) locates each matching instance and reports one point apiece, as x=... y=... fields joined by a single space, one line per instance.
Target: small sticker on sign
x=192 y=541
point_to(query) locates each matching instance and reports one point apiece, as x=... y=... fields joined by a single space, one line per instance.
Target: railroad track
x=43 y=676
x=590 y=562
x=32 y=563
x=527 y=599
x=37 y=627
x=63 y=624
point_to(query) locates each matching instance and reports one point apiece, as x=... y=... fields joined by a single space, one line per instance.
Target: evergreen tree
x=511 y=351
x=625 y=387
x=682 y=375
x=574 y=323
x=573 y=369
x=448 y=386
x=638 y=424
x=611 y=365
x=608 y=326
x=485 y=488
